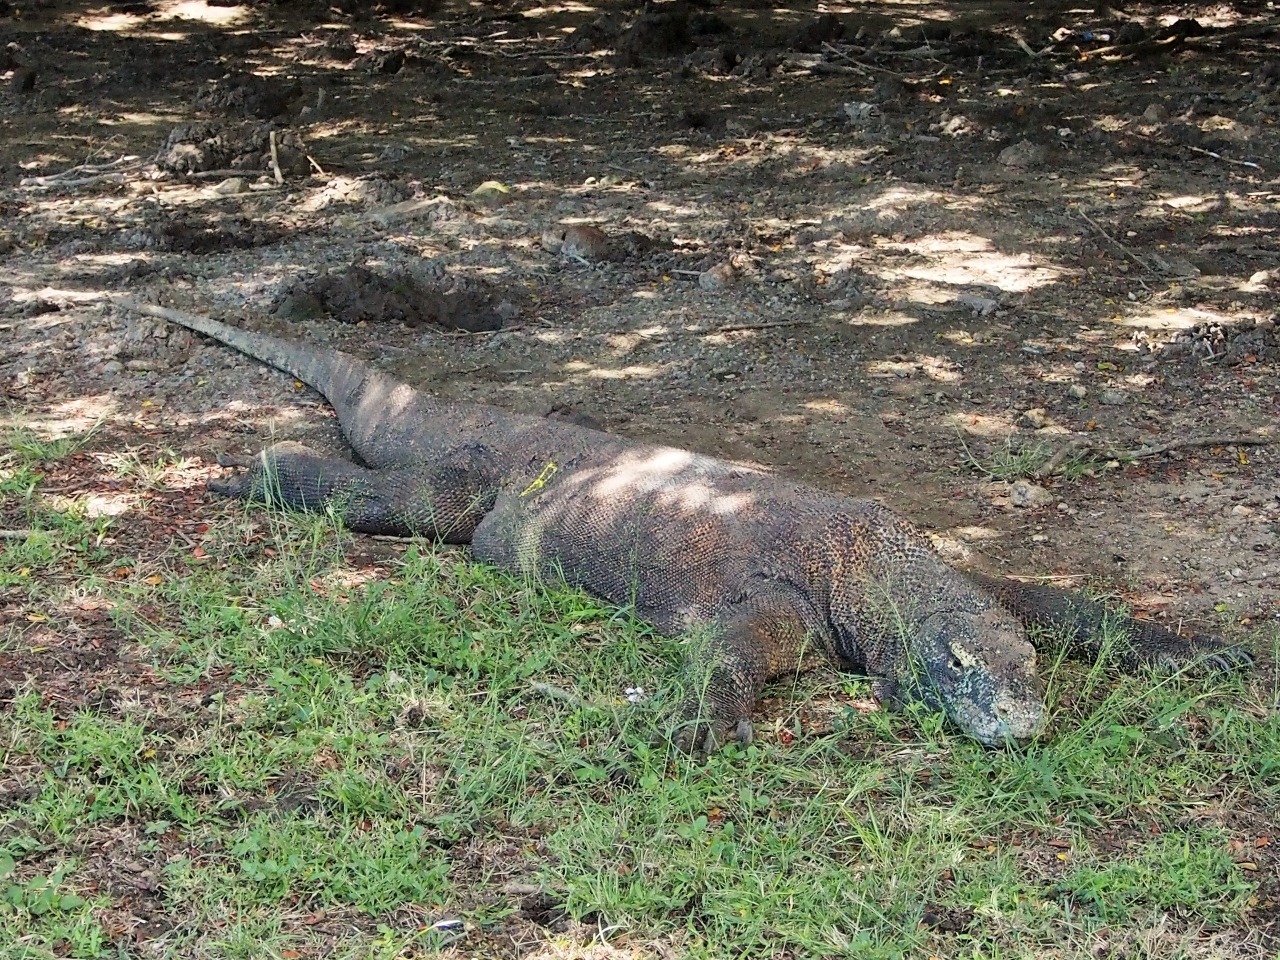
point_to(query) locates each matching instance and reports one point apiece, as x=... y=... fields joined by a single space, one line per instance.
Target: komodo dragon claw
x=700 y=738
x=1207 y=651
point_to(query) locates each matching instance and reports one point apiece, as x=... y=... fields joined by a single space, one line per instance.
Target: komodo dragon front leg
x=445 y=501
x=1084 y=624
x=761 y=634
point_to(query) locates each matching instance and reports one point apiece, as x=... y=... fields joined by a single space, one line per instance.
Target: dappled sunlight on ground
x=1171 y=318
x=66 y=418
x=981 y=424
x=964 y=260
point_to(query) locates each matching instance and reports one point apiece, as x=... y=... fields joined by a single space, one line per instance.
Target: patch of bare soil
x=871 y=247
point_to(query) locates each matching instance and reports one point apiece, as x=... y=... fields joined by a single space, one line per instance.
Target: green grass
x=1024 y=461
x=28 y=447
x=288 y=756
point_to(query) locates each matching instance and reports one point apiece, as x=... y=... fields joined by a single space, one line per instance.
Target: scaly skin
x=761 y=573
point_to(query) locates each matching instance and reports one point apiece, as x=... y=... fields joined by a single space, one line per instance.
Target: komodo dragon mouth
x=765 y=569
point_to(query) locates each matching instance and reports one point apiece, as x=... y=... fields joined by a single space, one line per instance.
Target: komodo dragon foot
x=759 y=634
x=444 y=502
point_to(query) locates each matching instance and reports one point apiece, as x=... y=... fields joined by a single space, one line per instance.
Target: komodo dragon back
x=762 y=570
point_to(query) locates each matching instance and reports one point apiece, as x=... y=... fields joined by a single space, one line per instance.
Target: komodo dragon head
x=980 y=669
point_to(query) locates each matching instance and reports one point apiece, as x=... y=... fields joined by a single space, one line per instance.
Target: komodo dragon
x=761 y=569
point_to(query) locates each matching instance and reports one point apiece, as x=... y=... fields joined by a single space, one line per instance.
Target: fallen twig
x=1083 y=447
x=1050 y=466
x=1122 y=248
x=275 y=160
x=864 y=67
x=1154 y=451
x=14 y=534
x=1218 y=156
x=66 y=175
x=118 y=177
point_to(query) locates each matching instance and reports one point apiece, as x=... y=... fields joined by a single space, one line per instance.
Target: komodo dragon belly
x=670 y=533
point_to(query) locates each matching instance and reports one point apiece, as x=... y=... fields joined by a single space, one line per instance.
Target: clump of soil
x=358 y=294
x=1215 y=341
x=200 y=146
x=250 y=97
x=809 y=37
x=191 y=233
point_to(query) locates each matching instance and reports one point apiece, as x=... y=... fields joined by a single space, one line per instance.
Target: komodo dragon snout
x=980 y=669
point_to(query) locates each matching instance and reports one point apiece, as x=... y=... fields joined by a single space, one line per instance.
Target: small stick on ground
x=1050 y=466
x=1218 y=156
x=14 y=534
x=275 y=160
x=1154 y=451
x=1142 y=453
x=1120 y=246
x=66 y=175
x=742 y=327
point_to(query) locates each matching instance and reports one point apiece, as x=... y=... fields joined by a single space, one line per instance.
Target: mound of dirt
x=250 y=97
x=191 y=233
x=202 y=145
x=357 y=294
x=1230 y=344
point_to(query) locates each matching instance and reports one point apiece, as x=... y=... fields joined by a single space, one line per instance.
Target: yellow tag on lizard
x=547 y=473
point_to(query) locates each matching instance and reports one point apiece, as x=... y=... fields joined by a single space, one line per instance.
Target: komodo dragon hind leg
x=757 y=636
x=1085 y=624
x=445 y=501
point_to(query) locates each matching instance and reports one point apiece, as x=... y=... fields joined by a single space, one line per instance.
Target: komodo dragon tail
x=334 y=374
x=1085 y=624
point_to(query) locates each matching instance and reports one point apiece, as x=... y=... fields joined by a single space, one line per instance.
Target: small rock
x=141 y=364
x=1153 y=114
x=717 y=277
x=982 y=306
x=1240 y=510
x=1078 y=390
x=590 y=243
x=491 y=192
x=231 y=186
x=579 y=241
x=1113 y=398
x=300 y=306
x=23 y=80
x=860 y=114
x=1022 y=154
x=1028 y=495
x=113 y=367
x=1033 y=419
x=507 y=310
